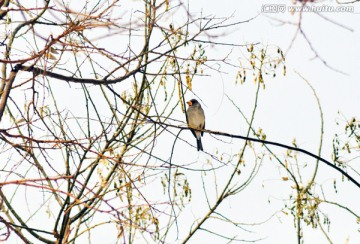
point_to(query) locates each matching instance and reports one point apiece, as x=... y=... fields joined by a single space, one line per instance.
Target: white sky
x=287 y=109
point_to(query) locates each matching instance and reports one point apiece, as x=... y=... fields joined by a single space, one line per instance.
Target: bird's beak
x=189 y=103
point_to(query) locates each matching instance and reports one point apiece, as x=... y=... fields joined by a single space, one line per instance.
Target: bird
x=196 y=120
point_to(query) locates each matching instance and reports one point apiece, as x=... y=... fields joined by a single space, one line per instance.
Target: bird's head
x=192 y=102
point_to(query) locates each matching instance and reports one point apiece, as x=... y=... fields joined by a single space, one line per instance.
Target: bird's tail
x=199 y=144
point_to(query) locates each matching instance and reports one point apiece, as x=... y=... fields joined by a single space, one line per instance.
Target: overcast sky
x=287 y=107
